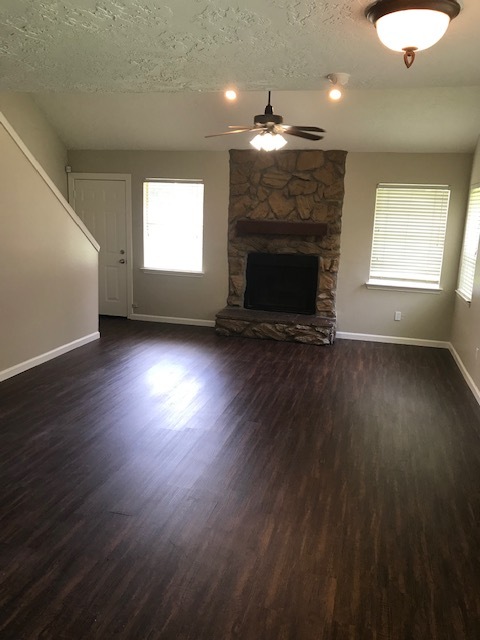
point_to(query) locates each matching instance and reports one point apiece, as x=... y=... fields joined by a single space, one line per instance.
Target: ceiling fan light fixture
x=269 y=127
x=411 y=25
x=268 y=141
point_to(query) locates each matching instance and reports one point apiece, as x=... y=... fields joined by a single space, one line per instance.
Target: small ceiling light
x=411 y=25
x=267 y=141
x=231 y=94
x=338 y=80
x=335 y=93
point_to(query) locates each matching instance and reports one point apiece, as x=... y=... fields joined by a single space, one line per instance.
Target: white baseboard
x=196 y=322
x=54 y=353
x=468 y=378
x=45 y=357
x=415 y=342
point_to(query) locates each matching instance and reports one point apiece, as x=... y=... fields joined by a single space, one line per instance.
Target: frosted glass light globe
x=268 y=142
x=414 y=28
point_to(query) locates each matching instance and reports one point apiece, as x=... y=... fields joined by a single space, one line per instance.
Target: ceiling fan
x=270 y=128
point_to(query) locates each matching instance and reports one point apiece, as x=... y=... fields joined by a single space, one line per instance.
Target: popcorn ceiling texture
x=115 y=45
x=149 y=46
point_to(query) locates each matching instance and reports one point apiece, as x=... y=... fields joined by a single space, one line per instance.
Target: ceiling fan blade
x=303 y=134
x=227 y=133
x=297 y=126
x=240 y=126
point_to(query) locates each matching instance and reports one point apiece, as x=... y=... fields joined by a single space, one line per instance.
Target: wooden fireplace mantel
x=276 y=227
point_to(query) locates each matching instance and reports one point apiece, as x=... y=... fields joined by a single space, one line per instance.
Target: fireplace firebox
x=281 y=282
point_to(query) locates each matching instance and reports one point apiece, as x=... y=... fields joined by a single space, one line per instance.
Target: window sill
x=165 y=272
x=398 y=285
x=464 y=298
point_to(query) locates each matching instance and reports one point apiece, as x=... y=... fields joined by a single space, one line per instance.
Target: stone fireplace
x=283 y=245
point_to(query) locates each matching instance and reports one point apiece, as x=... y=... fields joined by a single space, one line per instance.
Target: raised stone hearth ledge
x=270 y=325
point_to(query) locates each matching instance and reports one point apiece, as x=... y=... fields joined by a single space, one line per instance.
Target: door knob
x=122 y=251
x=122 y=261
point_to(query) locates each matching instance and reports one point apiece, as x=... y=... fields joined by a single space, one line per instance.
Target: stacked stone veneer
x=284 y=186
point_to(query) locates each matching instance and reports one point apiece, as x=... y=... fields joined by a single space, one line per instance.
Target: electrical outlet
x=398 y=315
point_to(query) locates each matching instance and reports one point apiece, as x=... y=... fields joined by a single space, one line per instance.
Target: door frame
x=127 y=179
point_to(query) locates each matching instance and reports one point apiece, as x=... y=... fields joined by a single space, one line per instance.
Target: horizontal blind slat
x=468 y=260
x=409 y=232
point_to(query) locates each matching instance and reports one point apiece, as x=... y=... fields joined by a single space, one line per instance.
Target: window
x=468 y=261
x=173 y=225
x=409 y=235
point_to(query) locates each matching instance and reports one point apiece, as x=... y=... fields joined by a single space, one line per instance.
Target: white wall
x=38 y=135
x=178 y=296
x=48 y=264
x=466 y=317
x=425 y=316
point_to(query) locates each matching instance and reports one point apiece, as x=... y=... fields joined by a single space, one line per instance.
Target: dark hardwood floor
x=165 y=483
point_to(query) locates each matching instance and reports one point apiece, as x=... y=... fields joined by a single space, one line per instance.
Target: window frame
x=166 y=270
x=473 y=225
x=426 y=279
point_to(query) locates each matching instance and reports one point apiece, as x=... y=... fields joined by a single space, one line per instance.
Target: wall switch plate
x=398 y=315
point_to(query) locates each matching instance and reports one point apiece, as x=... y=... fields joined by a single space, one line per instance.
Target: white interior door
x=102 y=205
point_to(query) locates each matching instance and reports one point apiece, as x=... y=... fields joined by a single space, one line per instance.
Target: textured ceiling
x=149 y=46
x=75 y=54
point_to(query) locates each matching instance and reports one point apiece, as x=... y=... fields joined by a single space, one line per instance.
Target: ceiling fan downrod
x=268 y=118
x=269 y=108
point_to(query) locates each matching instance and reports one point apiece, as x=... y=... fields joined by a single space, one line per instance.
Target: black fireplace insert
x=281 y=282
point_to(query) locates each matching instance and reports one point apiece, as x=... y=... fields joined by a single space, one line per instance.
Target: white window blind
x=471 y=237
x=409 y=234
x=173 y=225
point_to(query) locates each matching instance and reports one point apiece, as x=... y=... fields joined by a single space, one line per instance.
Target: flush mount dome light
x=411 y=25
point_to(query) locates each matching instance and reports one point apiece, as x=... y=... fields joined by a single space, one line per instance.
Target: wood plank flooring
x=166 y=483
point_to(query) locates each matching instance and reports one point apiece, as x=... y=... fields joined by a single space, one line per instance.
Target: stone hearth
x=288 y=327
x=284 y=202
